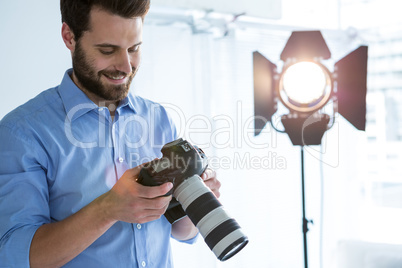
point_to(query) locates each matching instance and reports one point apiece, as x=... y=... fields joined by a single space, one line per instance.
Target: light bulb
x=304 y=82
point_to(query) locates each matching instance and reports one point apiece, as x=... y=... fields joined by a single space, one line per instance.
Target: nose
x=124 y=62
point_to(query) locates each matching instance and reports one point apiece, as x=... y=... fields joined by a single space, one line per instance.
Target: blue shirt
x=60 y=151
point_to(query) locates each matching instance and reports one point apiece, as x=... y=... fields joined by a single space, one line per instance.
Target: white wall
x=32 y=54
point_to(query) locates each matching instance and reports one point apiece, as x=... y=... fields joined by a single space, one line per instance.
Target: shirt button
x=121 y=159
x=144 y=264
x=139 y=226
x=101 y=109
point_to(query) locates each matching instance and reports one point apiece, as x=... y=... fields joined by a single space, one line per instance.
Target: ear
x=68 y=37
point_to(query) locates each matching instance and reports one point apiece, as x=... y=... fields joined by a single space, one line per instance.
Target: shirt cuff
x=15 y=247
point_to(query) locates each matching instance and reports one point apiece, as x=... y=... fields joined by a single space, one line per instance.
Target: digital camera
x=182 y=164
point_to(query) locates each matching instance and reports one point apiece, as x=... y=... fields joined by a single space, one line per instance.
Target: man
x=71 y=156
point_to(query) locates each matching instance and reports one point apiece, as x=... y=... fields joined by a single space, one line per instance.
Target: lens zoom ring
x=202 y=206
x=220 y=232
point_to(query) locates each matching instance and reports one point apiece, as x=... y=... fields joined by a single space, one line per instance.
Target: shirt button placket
x=140 y=240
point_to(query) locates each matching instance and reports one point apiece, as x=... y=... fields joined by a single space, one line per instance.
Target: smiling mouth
x=115 y=77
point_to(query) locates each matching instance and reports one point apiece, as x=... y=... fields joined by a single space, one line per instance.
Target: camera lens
x=221 y=233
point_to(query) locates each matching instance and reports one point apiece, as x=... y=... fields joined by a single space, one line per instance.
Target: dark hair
x=76 y=12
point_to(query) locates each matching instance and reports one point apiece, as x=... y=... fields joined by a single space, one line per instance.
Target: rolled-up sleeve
x=23 y=196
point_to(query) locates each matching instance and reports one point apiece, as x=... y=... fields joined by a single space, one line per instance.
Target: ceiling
x=255 y=8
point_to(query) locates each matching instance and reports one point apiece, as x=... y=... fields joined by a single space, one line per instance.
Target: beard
x=90 y=79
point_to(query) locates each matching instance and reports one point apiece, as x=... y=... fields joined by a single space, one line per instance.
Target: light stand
x=306 y=94
x=305 y=221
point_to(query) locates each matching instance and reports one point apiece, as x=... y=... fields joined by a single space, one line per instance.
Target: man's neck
x=110 y=105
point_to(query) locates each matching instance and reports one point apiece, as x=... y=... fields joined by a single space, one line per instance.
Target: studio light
x=305 y=87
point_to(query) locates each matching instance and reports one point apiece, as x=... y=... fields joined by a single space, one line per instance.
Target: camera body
x=180 y=161
x=182 y=164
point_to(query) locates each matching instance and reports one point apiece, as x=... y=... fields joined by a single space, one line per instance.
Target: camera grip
x=146 y=179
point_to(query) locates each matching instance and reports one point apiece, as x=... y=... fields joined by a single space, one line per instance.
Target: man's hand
x=184 y=229
x=132 y=202
x=210 y=180
x=55 y=244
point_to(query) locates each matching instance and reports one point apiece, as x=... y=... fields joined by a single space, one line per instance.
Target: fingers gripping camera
x=182 y=164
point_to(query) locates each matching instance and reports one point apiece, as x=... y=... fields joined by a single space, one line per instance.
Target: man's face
x=106 y=58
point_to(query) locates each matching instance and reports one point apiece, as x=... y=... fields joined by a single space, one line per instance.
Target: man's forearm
x=55 y=244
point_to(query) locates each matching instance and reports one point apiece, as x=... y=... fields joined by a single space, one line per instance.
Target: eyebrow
x=106 y=45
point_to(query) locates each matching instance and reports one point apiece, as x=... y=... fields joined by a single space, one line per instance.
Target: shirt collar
x=128 y=102
x=76 y=103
